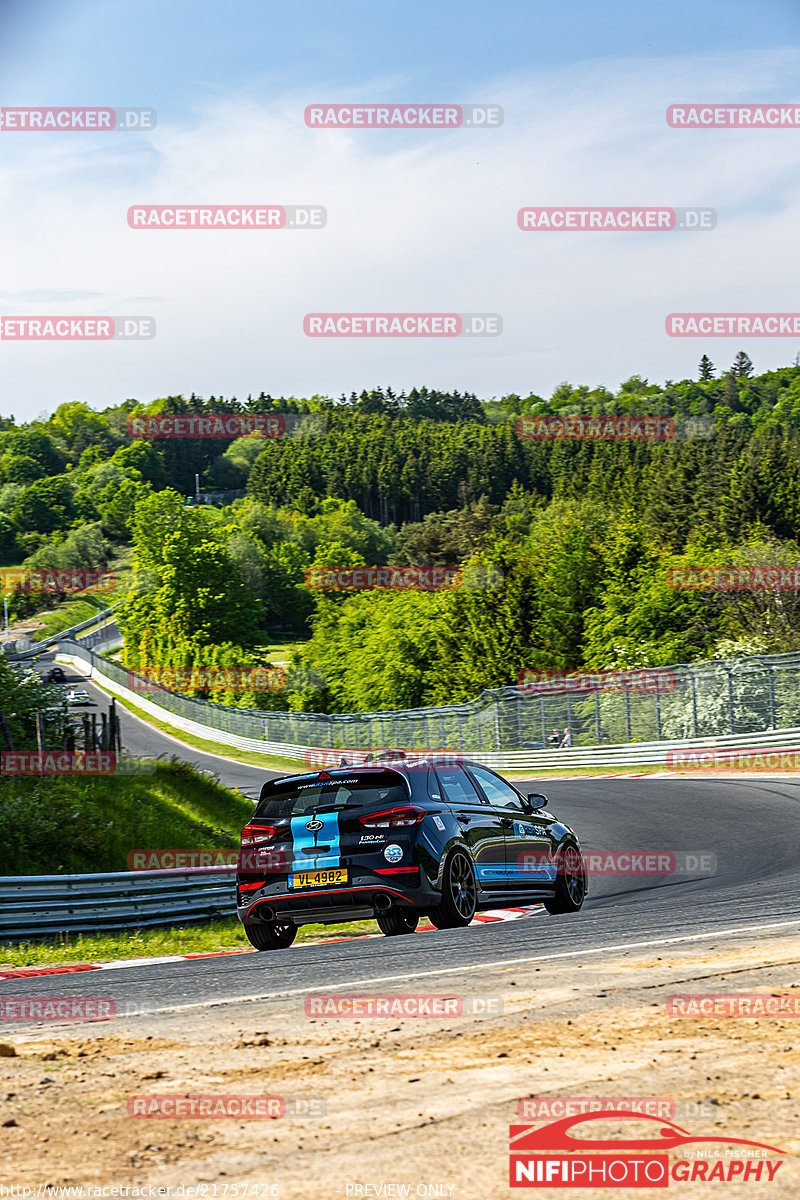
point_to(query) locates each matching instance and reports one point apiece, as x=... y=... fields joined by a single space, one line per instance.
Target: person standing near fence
x=567 y=739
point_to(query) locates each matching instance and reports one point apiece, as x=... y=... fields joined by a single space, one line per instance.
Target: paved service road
x=140 y=738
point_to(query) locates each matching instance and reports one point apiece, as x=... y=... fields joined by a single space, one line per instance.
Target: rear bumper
x=353 y=902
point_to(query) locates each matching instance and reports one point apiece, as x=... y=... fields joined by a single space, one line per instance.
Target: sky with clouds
x=417 y=220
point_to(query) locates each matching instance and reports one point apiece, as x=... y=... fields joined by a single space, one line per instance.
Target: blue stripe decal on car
x=495 y=871
x=303 y=839
x=536 y=872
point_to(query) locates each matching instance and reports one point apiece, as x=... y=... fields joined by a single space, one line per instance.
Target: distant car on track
x=434 y=837
x=56 y=675
x=77 y=696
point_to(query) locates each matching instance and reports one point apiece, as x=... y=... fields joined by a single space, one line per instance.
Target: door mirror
x=535 y=801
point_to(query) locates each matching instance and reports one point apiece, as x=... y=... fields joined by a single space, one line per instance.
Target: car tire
x=400 y=920
x=459 y=893
x=570 y=890
x=275 y=936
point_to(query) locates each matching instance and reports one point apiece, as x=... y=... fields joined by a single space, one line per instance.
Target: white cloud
x=415 y=223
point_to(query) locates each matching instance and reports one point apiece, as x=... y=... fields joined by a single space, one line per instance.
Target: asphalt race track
x=750 y=824
x=140 y=738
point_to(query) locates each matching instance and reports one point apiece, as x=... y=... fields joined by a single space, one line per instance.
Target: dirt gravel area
x=414 y=1107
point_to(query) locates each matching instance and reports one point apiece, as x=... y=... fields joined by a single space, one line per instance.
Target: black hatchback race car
x=435 y=837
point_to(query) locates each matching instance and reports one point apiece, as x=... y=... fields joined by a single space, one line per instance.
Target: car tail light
x=393 y=818
x=256 y=835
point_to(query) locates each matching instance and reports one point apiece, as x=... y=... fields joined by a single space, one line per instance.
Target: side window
x=499 y=793
x=456 y=787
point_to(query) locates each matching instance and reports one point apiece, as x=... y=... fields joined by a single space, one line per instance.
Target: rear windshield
x=296 y=798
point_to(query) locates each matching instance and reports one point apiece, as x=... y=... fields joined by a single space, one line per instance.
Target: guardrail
x=620 y=754
x=108 y=636
x=738 y=698
x=31 y=905
x=65 y=634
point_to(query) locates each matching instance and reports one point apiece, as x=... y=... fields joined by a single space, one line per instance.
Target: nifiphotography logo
x=553 y=1155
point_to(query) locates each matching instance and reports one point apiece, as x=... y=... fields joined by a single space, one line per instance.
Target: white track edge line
x=460 y=968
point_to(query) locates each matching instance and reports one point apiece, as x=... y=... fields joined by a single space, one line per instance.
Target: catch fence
x=704 y=700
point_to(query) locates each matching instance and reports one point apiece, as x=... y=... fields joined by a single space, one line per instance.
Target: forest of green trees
x=580 y=534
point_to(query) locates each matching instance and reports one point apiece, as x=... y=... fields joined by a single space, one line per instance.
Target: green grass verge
x=71 y=612
x=82 y=824
x=281 y=648
x=577 y=772
x=206 y=938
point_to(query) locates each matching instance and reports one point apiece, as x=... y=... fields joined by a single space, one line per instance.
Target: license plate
x=312 y=879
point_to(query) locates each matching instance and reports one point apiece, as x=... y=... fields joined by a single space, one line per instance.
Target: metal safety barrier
x=753 y=702
x=742 y=697
x=65 y=634
x=46 y=904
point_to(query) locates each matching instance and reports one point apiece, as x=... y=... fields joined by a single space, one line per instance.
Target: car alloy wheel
x=459 y=893
x=570 y=889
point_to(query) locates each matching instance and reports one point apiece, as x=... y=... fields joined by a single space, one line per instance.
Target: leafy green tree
x=642 y=619
x=140 y=460
x=447 y=537
x=33 y=443
x=9 y=545
x=22 y=696
x=117 y=512
x=79 y=427
x=84 y=548
x=186 y=590
x=21 y=468
x=45 y=506
x=341 y=522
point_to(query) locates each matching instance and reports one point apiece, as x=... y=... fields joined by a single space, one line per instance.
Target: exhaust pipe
x=266 y=913
x=381 y=903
